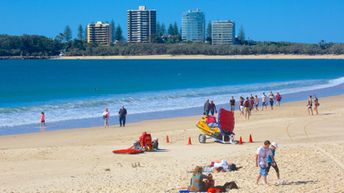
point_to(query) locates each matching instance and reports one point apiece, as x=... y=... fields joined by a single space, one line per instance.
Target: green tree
x=175 y=29
x=67 y=34
x=118 y=33
x=113 y=32
x=209 y=32
x=163 y=29
x=241 y=35
x=81 y=33
x=158 y=28
x=170 y=30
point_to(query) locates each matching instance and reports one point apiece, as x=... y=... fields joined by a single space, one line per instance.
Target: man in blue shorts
x=262 y=160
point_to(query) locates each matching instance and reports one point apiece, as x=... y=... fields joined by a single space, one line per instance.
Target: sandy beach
x=267 y=56
x=310 y=155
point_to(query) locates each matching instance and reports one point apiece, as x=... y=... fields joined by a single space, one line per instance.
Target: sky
x=307 y=21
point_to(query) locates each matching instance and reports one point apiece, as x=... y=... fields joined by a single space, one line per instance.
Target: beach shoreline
x=192 y=57
x=81 y=160
x=151 y=116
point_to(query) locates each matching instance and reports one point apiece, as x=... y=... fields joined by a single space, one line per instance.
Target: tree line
x=167 y=40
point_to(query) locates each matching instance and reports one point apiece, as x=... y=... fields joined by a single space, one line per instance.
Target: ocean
x=74 y=93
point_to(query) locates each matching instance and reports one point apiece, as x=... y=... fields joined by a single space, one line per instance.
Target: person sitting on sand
x=155 y=144
x=197 y=184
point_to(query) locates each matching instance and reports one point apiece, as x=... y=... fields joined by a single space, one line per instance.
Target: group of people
x=310 y=102
x=248 y=104
x=122 y=114
x=209 y=108
x=265 y=159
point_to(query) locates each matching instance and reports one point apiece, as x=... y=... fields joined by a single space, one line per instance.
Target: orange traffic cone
x=167 y=139
x=240 y=141
x=189 y=141
x=250 y=139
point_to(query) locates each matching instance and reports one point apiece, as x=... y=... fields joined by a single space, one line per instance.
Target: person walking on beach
x=232 y=103
x=256 y=102
x=316 y=104
x=264 y=100
x=106 y=116
x=262 y=161
x=206 y=108
x=273 y=148
x=122 y=116
x=271 y=99
x=251 y=103
x=212 y=108
x=247 y=108
x=42 y=119
x=278 y=98
x=241 y=106
x=310 y=105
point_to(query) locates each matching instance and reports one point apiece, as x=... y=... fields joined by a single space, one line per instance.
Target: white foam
x=150 y=101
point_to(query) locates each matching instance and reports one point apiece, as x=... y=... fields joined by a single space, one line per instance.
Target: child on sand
x=273 y=148
x=106 y=116
x=42 y=119
x=262 y=161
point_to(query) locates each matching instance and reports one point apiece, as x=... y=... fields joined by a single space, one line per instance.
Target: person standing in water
x=42 y=119
x=316 y=104
x=310 y=105
x=122 y=116
x=232 y=103
x=106 y=116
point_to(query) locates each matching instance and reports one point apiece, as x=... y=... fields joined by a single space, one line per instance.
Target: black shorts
x=275 y=167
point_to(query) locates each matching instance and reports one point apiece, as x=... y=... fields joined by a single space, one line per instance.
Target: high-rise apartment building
x=99 y=33
x=141 y=25
x=193 y=26
x=222 y=32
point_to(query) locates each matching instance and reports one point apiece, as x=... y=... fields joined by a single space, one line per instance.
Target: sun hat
x=274 y=144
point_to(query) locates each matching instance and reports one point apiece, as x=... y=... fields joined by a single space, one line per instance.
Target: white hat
x=274 y=144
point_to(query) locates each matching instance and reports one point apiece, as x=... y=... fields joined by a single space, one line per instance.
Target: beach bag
x=232 y=167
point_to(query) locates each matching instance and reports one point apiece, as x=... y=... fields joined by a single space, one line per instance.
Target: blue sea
x=74 y=93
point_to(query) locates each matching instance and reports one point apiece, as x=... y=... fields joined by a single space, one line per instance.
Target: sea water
x=77 y=91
